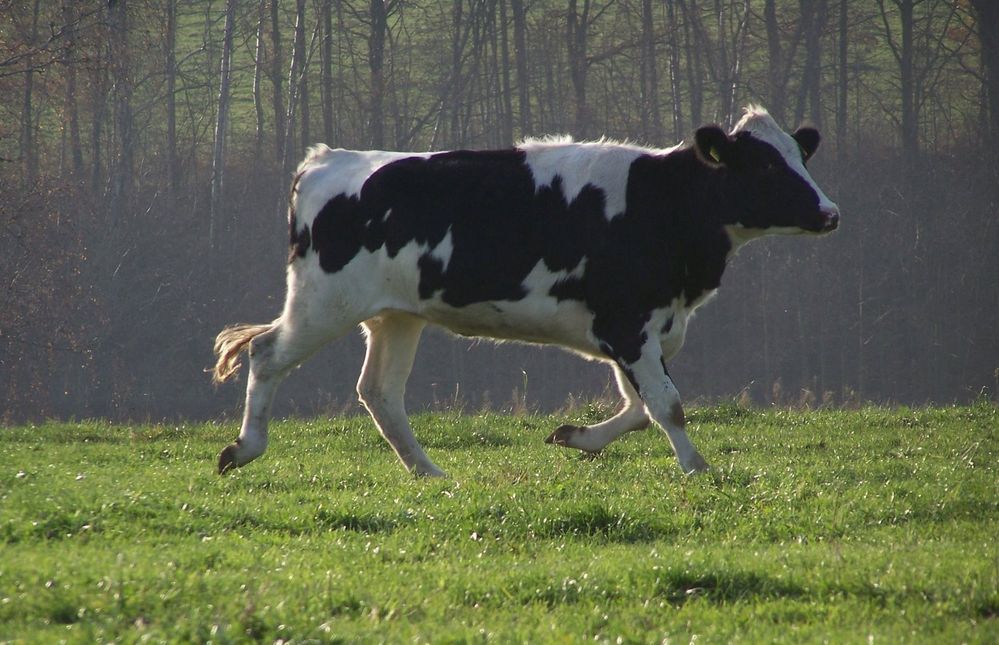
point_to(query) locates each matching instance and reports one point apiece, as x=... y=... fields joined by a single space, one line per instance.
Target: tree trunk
x=520 y=53
x=577 y=27
x=775 y=62
x=376 y=64
x=124 y=150
x=29 y=152
x=649 y=77
x=695 y=67
x=843 y=82
x=326 y=63
x=674 y=69
x=738 y=54
x=258 y=62
x=277 y=73
x=221 y=122
x=98 y=107
x=72 y=115
x=302 y=76
x=170 y=71
x=505 y=88
x=813 y=14
x=910 y=131
x=987 y=12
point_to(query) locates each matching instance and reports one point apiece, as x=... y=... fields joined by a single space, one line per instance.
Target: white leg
x=593 y=438
x=662 y=401
x=274 y=353
x=392 y=343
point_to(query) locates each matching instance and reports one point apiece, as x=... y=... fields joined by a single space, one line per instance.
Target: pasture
x=848 y=526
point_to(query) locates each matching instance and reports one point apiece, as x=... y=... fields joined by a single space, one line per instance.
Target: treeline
x=146 y=146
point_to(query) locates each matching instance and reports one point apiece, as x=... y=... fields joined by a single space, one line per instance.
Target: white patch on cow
x=602 y=164
x=326 y=173
x=444 y=250
x=762 y=126
x=541 y=279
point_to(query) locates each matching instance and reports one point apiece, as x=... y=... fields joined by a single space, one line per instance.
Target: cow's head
x=775 y=192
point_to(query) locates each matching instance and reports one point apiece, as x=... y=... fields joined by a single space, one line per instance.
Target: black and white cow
x=602 y=248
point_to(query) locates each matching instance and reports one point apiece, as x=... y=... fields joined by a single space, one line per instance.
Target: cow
x=602 y=248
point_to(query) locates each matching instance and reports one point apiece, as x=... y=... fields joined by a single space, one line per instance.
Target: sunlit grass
x=814 y=525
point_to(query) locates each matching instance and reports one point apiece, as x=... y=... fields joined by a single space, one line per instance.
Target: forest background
x=146 y=148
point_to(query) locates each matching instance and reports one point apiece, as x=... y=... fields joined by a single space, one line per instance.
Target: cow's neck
x=705 y=245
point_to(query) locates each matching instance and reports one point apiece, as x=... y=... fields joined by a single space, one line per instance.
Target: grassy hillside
x=831 y=525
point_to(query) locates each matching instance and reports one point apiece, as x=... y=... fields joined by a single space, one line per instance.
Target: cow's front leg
x=592 y=439
x=650 y=379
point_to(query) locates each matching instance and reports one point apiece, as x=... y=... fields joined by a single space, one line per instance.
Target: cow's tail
x=229 y=344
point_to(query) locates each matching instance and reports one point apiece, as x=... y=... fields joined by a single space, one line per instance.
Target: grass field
x=859 y=526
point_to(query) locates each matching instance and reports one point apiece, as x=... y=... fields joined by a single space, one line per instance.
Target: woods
x=146 y=148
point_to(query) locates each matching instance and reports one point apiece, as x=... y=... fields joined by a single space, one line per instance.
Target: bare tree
x=843 y=80
x=506 y=91
x=903 y=53
x=520 y=54
x=326 y=66
x=170 y=72
x=577 y=31
x=29 y=153
x=649 y=75
x=258 y=64
x=221 y=122
x=277 y=72
x=674 y=69
x=301 y=76
x=987 y=13
x=378 y=13
x=814 y=14
x=71 y=116
x=123 y=151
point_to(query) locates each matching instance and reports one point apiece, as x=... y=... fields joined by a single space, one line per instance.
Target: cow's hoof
x=227 y=459
x=428 y=471
x=696 y=465
x=563 y=435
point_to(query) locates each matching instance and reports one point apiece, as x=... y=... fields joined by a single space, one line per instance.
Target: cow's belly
x=541 y=320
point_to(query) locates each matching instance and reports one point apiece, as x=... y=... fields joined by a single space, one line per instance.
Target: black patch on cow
x=669 y=243
x=668 y=325
x=568 y=289
x=300 y=241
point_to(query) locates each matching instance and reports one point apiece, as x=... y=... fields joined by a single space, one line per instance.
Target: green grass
x=838 y=526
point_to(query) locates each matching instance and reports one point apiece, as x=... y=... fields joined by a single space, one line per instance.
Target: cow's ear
x=808 y=140
x=713 y=145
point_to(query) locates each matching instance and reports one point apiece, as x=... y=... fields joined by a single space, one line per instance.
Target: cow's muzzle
x=830 y=220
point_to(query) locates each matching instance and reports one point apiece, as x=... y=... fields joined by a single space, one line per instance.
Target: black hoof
x=562 y=435
x=227 y=459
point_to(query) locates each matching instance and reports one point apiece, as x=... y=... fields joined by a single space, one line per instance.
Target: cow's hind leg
x=274 y=351
x=392 y=342
x=593 y=438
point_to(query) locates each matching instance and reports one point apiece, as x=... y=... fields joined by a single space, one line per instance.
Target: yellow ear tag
x=713 y=152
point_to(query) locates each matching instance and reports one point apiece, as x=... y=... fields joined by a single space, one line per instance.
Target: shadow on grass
x=596 y=521
x=337 y=520
x=722 y=587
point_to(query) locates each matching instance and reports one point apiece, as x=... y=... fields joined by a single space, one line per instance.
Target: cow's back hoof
x=563 y=435
x=696 y=465
x=227 y=459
